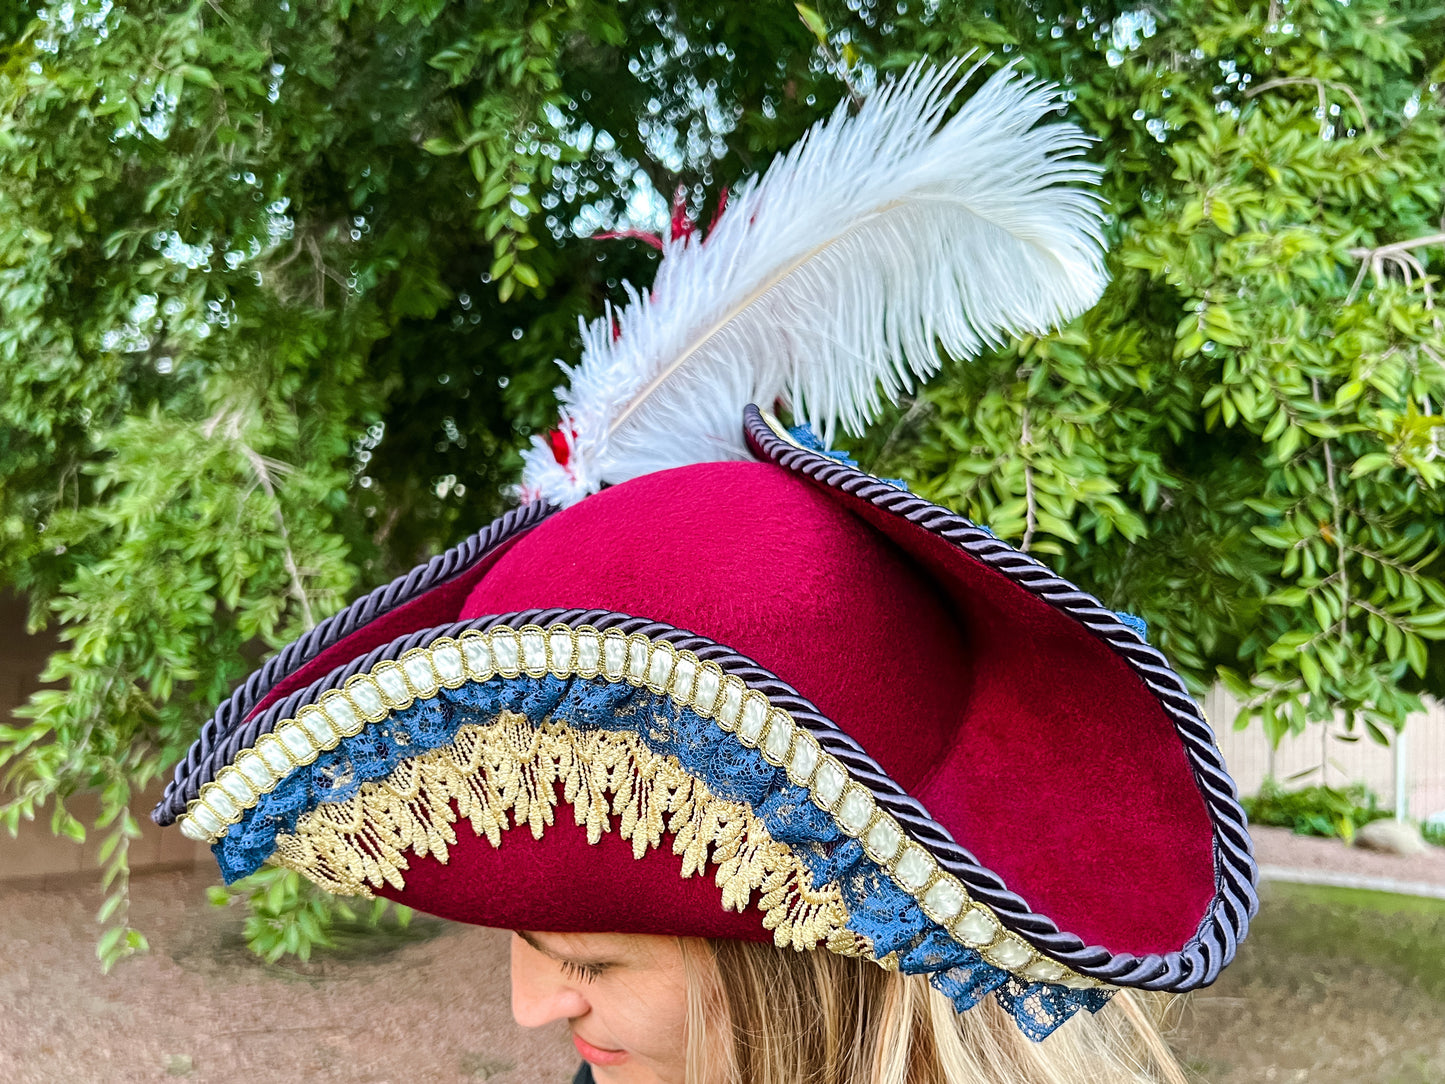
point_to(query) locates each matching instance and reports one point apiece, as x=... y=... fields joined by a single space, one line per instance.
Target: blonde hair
x=762 y=1015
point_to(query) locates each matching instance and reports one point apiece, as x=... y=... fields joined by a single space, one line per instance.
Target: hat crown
x=1020 y=731
x=752 y=557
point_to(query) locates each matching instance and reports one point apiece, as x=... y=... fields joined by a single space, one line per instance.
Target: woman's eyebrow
x=560 y=956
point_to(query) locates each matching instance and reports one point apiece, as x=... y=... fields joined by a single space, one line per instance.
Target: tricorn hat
x=711 y=679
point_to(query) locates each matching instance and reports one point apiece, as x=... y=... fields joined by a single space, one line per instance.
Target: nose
x=540 y=992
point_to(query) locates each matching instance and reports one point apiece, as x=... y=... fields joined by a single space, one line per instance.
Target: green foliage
x=1240 y=442
x=1316 y=810
x=282 y=291
x=283 y=286
x=289 y=916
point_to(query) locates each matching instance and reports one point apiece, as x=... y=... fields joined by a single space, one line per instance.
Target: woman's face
x=623 y=995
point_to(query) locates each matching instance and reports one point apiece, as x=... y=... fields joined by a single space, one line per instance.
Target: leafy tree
x=282 y=285
x=1241 y=441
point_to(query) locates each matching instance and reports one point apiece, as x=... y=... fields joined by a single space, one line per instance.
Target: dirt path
x=429 y=1007
x=1281 y=848
x=1333 y=987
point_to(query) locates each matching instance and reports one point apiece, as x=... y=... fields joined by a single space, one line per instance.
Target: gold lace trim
x=745 y=714
x=504 y=775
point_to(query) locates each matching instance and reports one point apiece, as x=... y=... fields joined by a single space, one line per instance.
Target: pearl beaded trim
x=703 y=687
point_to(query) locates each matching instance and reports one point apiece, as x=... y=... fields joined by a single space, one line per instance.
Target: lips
x=597 y=1055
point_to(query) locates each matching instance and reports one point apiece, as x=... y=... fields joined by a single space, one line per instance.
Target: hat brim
x=1086 y=777
x=959 y=556
x=673 y=756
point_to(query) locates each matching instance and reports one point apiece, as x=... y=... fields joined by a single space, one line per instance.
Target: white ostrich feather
x=831 y=281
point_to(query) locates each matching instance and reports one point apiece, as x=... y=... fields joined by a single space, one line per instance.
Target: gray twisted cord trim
x=1236 y=899
x=1197 y=964
x=982 y=883
x=234 y=709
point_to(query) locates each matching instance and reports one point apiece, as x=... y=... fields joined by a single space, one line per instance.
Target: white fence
x=1410 y=777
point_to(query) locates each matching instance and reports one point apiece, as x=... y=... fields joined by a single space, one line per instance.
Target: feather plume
x=831 y=281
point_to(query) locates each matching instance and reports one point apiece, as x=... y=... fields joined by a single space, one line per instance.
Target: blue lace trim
x=1138 y=624
x=810 y=440
x=877 y=908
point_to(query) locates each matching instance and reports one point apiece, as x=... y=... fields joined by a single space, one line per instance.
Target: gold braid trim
x=745 y=714
x=503 y=775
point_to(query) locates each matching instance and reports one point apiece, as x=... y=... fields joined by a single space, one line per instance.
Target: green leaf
x=200 y=76
x=63 y=824
x=110 y=906
x=813 y=21
x=1310 y=671
x=109 y=948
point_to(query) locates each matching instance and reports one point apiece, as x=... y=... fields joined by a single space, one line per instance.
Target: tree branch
x=840 y=69
x=262 y=469
x=1338 y=519
x=263 y=475
x=1398 y=254
x=915 y=408
x=1320 y=85
x=1031 y=521
x=1388 y=618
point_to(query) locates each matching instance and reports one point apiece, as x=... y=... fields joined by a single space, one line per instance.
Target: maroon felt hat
x=730 y=685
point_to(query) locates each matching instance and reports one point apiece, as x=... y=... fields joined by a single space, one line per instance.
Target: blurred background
x=283 y=291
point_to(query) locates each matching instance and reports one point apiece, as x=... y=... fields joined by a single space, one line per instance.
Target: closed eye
x=580 y=972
